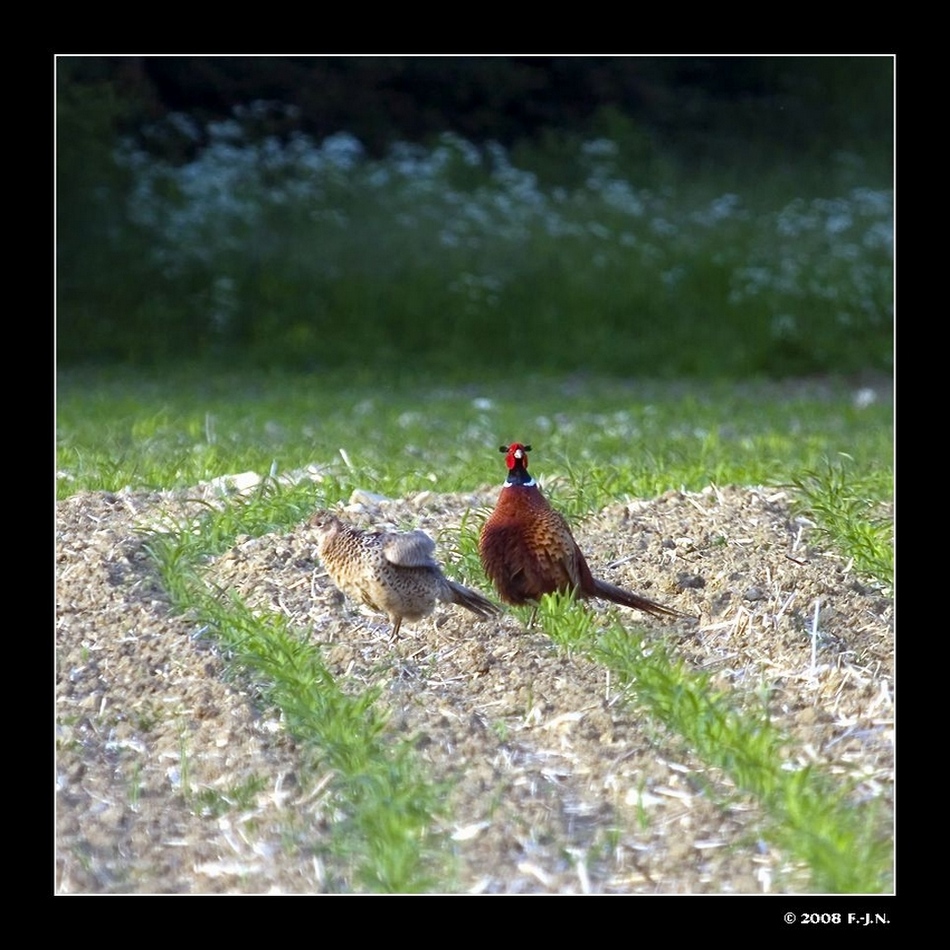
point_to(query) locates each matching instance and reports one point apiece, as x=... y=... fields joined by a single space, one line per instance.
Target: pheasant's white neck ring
x=521 y=481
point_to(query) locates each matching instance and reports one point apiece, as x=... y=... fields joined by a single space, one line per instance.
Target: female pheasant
x=527 y=548
x=390 y=572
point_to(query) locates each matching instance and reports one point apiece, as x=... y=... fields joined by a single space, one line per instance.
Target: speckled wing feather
x=409 y=549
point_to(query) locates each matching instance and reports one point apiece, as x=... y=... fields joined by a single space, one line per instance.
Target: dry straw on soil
x=560 y=782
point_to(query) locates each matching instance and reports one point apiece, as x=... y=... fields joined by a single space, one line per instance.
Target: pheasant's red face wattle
x=516 y=454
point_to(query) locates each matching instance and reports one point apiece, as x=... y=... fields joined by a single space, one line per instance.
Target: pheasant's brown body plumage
x=527 y=549
x=393 y=573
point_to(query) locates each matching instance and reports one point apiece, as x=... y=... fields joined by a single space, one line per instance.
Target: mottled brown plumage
x=527 y=548
x=393 y=573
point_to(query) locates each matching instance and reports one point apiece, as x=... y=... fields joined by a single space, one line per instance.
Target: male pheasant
x=390 y=572
x=527 y=548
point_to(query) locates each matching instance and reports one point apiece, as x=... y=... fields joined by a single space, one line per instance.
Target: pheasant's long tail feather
x=628 y=599
x=473 y=601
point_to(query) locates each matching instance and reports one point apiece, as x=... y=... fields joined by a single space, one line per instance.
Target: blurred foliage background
x=662 y=216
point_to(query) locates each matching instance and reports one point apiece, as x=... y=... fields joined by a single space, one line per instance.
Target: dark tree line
x=687 y=102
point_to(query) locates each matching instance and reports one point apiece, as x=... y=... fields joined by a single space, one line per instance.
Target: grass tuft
x=850 y=510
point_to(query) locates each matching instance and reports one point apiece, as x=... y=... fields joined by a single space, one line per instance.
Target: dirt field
x=558 y=785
